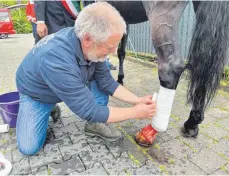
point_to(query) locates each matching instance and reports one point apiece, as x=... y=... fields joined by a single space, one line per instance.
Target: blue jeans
x=101 y=97
x=33 y=118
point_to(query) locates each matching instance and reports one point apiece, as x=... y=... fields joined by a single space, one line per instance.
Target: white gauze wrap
x=6 y=164
x=164 y=106
x=4 y=128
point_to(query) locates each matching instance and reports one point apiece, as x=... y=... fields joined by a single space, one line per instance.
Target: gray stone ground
x=69 y=152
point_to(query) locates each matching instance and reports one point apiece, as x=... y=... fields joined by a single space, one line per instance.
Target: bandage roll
x=164 y=106
x=6 y=165
x=4 y=128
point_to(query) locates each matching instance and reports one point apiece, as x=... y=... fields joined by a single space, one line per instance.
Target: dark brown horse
x=207 y=54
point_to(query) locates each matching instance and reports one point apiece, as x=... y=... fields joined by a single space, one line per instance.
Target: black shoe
x=56 y=113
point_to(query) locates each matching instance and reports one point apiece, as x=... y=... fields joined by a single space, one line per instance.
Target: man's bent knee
x=28 y=149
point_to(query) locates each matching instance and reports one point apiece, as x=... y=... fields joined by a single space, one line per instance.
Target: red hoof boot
x=146 y=136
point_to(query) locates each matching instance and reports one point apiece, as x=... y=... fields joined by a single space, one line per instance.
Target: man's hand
x=42 y=30
x=146 y=99
x=145 y=110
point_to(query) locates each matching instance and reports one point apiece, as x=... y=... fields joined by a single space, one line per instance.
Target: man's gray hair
x=100 y=20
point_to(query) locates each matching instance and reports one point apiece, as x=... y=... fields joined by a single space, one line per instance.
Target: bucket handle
x=12 y=102
x=7 y=112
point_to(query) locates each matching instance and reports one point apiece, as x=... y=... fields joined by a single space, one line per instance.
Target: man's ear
x=87 y=40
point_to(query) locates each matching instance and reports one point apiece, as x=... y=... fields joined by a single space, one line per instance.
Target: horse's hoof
x=188 y=133
x=146 y=136
x=142 y=143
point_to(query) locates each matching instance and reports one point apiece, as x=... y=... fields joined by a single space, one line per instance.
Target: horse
x=207 y=52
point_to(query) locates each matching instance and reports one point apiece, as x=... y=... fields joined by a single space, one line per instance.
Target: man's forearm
x=125 y=95
x=120 y=114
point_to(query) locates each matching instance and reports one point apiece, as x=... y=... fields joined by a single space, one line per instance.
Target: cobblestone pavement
x=69 y=151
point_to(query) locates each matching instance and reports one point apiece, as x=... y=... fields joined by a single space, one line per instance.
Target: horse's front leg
x=121 y=56
x=164 y=18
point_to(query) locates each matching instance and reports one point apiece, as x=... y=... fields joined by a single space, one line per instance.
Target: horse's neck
x=160 y=8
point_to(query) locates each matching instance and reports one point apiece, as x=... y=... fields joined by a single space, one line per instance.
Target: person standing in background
x=53 y=16
x=31 y=17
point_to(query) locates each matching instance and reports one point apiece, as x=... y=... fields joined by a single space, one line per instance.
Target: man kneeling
x=59 y=68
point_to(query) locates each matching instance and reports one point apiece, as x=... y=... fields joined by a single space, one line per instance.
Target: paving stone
x=69 y=129
x=208 y=119
x=37 y=161
x=179 y=111
x=207 y=160
x=4 y=140
x=75 y=138
x=112 y=103
x=170 y=149
x=68 y=151
x=90 y=158
x=221 y=98
x=221 y=148
x=133 y=126
x=54 y=143
x=170 y=134
x=97 y=169
x=64 y=113
x=21 y=168
x=117 y=166
x=224 y=170
x=62 y=105
x=41 y=152
x=17 y=156
x=57 y=124
x=67 y=120
x=218 y=113
x=225 y=105
x=130 y=129
x=13 y=143
x=148 y=169
x=43 y=170
x=224 y=123
x=141 y=123
x=214 y=132
x=67 y=167
x=183 y=167
x=96 y=142
x=220 y=172
x=7 y=152
x=80 y=125
x=118 y=148
x=71 y=113
x=196 y=144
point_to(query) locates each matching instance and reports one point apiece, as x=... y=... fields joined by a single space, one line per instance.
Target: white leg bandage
x=4 y=128
x=164 y=106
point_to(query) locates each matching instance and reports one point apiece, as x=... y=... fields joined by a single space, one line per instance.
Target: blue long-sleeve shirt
x=55 y=70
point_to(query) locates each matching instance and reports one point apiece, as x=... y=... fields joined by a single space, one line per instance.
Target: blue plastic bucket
x=9 y=106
